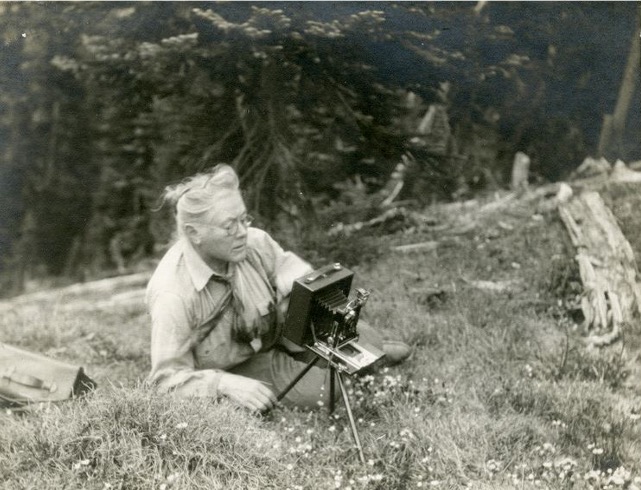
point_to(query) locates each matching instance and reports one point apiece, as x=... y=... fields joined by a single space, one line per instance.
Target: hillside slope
x=501 y=391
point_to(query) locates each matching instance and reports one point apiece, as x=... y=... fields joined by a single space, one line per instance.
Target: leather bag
x=27 y=377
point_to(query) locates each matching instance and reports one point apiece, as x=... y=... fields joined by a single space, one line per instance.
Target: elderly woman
x=217 y=302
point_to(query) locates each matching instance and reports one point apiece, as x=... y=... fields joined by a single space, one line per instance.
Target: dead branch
x=388 y=215
x=416 y=247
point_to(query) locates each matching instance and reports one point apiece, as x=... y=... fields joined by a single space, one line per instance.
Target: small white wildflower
x=549 y=447
x=406 y=433
x=171 y=479
x=592 y=475
x=620 y=476
x=566 y=463
x=181 y=425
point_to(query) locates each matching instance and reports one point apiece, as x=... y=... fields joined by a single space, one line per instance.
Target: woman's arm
x=172 y=360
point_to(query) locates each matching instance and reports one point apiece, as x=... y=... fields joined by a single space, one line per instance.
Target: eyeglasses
x=232 y=228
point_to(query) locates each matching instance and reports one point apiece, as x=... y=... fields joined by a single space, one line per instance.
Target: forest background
x=314 y=103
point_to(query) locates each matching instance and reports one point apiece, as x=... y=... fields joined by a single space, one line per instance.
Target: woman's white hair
x=194 y=197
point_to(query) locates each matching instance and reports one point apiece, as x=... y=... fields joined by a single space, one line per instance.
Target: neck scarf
x=254 y=300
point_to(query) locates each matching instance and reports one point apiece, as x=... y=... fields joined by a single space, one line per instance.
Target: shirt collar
x=197 y=268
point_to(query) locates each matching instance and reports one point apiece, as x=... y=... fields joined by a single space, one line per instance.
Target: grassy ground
x=499 y=393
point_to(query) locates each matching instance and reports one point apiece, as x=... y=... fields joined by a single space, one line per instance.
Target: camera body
x=322 y=317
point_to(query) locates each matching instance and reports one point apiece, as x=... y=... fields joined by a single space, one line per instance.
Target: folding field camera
x=322 y=318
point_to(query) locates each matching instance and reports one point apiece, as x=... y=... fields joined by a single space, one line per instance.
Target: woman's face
x=215 y=243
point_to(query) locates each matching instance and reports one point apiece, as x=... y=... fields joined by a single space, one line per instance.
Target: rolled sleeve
x=172 y=359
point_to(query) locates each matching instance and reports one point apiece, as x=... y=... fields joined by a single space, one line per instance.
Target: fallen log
x=114 y=292
x=612 y=295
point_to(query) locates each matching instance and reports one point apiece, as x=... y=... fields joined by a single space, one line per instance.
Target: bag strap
x=27 y=380
x=211 y=323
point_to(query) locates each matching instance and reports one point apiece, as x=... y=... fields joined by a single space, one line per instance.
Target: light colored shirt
x=195 y=312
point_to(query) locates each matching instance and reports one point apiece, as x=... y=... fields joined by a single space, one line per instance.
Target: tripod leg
x=348 y=408
x=297 y=378
x=332 y=389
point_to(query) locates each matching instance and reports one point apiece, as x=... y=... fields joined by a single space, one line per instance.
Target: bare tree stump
x=520 y=172
x=612 y=296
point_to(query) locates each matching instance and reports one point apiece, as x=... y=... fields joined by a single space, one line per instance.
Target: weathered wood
x=612 y=295
x=622 y=173
x=341 y=228
x=592 y=168
x=416 y=247
x=103 y=289
x=131 y=302
x=395 y=183
x=520 y=172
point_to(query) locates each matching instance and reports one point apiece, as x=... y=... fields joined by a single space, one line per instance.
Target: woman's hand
x=246 y=392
